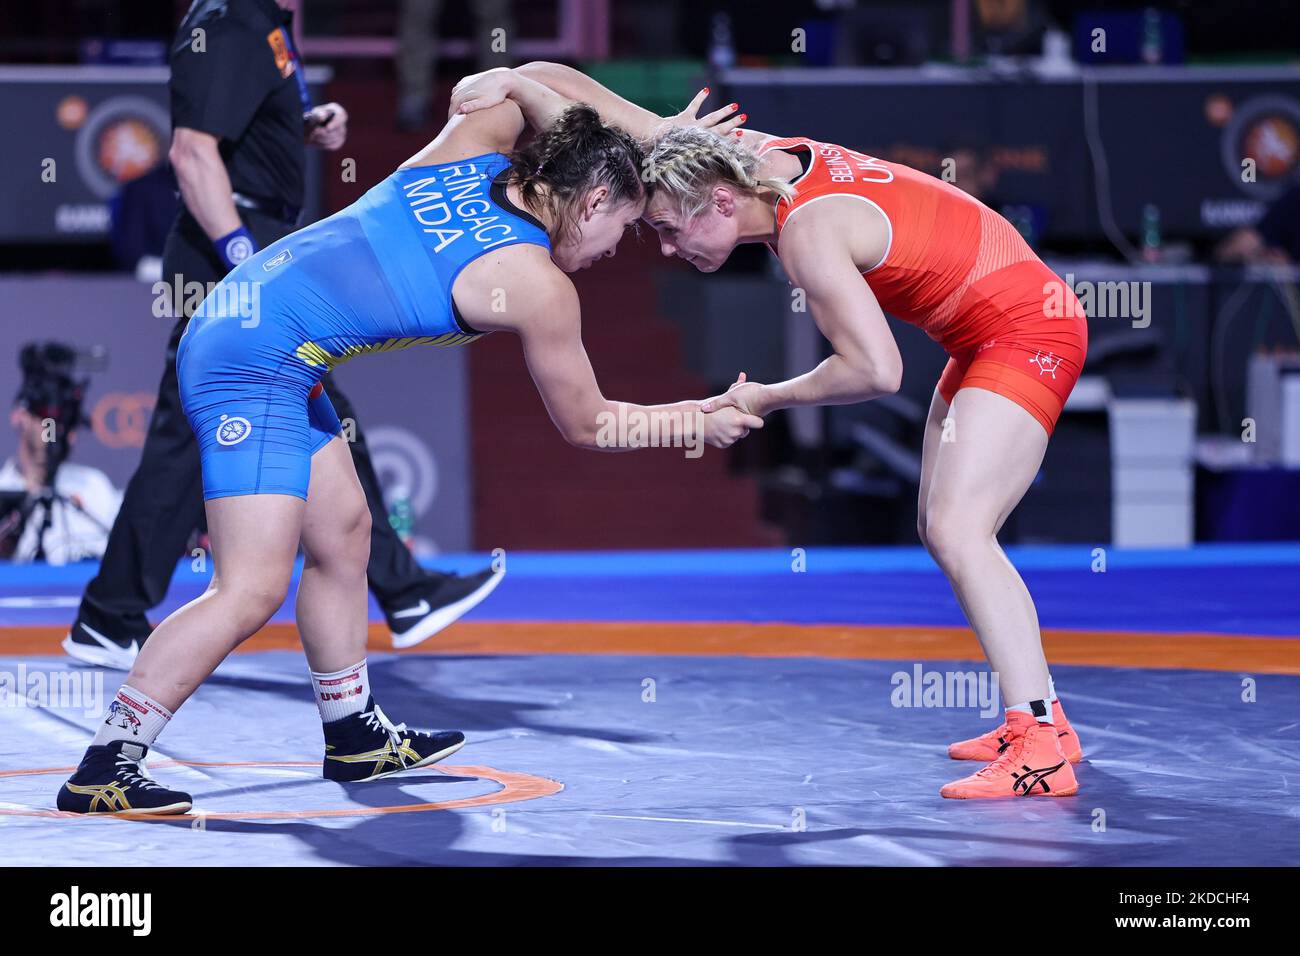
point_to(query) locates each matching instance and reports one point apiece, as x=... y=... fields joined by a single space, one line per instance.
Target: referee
x=241 y=120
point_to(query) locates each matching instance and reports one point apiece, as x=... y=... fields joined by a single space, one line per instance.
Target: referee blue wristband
x=234 y=247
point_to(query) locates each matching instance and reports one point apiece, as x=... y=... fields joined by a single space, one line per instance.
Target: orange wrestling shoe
x=988 y=746
x=1031 y=764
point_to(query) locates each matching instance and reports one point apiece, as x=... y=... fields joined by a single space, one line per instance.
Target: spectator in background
x=1275 y=238
x=417 y=52
x=60 y=511
x=1009 y=27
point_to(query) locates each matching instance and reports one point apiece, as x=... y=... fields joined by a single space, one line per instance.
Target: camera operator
x=60 y=511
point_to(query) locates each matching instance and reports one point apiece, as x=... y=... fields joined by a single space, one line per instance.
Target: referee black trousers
x=163 y=503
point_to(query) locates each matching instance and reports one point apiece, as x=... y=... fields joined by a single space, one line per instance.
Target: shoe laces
x=377 y=720
x=1009 y=755
x=132 y=774
x=1003 y=736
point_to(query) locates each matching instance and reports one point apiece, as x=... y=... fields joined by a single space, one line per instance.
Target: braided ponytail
x=687 y=162
x=572 y=156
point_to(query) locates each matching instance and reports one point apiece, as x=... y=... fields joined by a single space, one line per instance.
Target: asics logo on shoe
x=418 y=610
x=104 y=797
x=1027 y=781
x=398 y=756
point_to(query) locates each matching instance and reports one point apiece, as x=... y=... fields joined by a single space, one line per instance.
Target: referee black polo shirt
x=242 y=88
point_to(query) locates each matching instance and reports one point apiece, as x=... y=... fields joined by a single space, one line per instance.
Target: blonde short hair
x=686 y=163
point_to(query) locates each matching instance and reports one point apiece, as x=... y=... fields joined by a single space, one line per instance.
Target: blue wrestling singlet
x=373 y=277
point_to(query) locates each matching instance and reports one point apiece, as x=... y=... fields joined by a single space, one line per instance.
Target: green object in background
x=401 y=517
x=661 y=86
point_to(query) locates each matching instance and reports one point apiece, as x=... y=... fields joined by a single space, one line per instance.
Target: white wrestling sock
x=342 y=693
x=1051 y=690
x=1040 y=710
x=132 y=716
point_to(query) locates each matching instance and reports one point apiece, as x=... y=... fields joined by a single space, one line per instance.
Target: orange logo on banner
x=128 y=148
x=71 y=112
x=121 y=419
x=283 y=58
x=1274 y=143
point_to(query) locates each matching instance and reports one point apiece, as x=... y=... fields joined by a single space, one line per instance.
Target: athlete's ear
x=724 y=200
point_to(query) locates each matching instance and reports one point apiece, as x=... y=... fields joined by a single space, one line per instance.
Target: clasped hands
x=730 y=416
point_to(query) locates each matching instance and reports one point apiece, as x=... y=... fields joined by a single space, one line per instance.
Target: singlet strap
x=501 y=197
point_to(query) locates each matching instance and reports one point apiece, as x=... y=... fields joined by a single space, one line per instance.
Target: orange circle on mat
x=515 y=788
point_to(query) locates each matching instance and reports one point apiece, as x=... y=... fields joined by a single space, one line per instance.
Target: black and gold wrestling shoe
x=368 y=746
x=111 y=779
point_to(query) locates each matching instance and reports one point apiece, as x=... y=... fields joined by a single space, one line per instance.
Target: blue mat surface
x=1216 y=589
x=742 y=761
x=705 y=760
